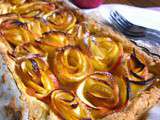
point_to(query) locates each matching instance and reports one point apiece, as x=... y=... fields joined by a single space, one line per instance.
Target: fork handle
x=153 y=32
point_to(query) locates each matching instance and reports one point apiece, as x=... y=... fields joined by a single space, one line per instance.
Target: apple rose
x=16 y=2
x=71 y=66
x=105 y=53
x=54 y=39
x=103 y=93
x=16 y=32
x=34 y=9
x=62 y=20
x=139 y=76
x=29 y=48
x=68 y=106
x=36 y=76
x=79 y=31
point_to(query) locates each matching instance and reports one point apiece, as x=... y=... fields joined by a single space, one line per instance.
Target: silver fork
x=146 y=38
x=129 y=28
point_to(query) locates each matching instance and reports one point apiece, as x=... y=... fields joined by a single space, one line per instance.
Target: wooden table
x=140 y=3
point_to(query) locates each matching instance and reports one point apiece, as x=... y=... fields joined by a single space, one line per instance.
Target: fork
x=146 y=38
x=129 y=28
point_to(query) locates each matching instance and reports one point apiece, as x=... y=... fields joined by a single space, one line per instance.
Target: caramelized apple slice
x=137 y=67
x=138 y=86
x=68 y=106
x=123 y=91
x=103 y=93
x=54 y=39
x=105 y=53
x=79 y=31
x=36 y=76
x=34 y=9
x=62 y=20
x=16 y=2
x=139 y=77
x=29 y=48
x=71 y=66
x=16 y=32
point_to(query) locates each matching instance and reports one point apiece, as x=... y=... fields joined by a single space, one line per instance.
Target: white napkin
x=138 y=16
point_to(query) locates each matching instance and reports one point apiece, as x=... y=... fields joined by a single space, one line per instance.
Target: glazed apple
x=16 y=2
x=105 y=54
x=139 y=76
x=29 y=48
x=68 y=106
x=34 y=9
x=53 y=40
x=103 y=93
x=36 y=76
x=62 y=20
x=16 y=32
x=71 y=66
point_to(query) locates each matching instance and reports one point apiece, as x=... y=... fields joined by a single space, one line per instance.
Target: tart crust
x=136 y=107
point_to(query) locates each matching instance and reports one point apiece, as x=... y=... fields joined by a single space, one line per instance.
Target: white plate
x=139 y=16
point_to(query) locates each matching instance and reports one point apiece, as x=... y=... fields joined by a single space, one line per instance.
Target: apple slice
x=29 y=48
x=139 y=77
x=62 y=20
x=34 y=9
x=36 y=76
x=71 y=66
x=53 y=40
x=105 y=53
x=68 y=106
x=103 y=93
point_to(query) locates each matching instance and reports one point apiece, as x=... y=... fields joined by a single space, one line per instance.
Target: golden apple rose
x=29 y=48
x=104 y=52
x=53 y=40
x=62 y=20
x=139 y=76
x=34 y=9
x=103 y=93
x=68 y=106
x=36 y=76
x=15 y=2
x=16 y=32
x=71 y=66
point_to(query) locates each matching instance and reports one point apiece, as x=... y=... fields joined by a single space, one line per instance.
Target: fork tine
x=122 y=19
x=120 y=27
x=124 y=25
x=117 y=22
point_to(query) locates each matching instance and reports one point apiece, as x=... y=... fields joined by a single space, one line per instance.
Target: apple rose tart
x=71 y=66
x=36 y=76
x=68 y=106
x=16 y=32
x=103 y=93
x=68 y=67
